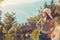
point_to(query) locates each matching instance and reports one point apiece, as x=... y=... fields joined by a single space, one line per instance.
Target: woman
x=45 y=25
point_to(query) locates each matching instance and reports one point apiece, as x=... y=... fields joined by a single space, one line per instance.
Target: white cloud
x=7 y=2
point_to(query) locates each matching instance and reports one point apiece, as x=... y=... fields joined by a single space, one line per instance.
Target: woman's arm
x=53 y=26
x=38 y=25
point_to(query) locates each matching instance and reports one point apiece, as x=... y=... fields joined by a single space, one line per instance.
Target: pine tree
x=53 y=7
x=9 y=20
x=45 y=5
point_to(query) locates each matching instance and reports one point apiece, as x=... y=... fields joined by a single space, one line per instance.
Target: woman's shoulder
x=41 y=20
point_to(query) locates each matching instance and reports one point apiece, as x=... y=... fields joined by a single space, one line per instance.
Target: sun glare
x=8 y=2
x=1 y=1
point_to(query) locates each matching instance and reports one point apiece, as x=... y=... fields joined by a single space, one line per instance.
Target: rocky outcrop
x=56 y=33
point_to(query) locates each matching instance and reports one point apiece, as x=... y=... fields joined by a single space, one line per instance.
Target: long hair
x=48 y=17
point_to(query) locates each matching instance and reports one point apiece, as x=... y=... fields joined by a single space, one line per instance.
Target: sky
x=23 y=8
x=10 y=2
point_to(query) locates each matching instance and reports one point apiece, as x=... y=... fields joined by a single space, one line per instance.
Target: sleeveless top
x=46 y=26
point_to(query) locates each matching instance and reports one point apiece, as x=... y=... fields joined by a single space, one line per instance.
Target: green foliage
x=9 y=20
x=8 y=24
x=34 y=34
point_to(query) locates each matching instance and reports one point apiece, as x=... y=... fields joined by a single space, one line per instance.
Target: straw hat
x=48 y=11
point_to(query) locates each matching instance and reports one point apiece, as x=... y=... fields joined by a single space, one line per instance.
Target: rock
x=56 y=33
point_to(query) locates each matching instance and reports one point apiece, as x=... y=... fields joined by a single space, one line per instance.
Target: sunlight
x=10 y=2
x=1 y=1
